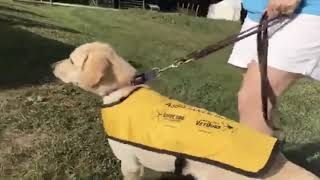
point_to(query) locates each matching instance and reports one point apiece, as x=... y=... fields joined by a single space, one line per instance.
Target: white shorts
x=293 y=48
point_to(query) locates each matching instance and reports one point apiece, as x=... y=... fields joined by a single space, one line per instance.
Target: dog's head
x=95 y=67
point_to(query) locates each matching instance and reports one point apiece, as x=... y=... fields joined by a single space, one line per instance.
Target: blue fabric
x=255 y=8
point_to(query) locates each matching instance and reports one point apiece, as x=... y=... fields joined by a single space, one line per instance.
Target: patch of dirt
x=4 y=98
x=23 y=140
x=11 y=139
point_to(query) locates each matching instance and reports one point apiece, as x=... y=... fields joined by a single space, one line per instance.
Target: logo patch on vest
x=171 y=117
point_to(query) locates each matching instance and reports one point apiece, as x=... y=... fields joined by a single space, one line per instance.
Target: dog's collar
x=119 y=95
x=144 y=77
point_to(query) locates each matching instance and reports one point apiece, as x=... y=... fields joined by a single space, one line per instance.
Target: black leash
x=266 y=90
x=155 y=72
x=262 y=46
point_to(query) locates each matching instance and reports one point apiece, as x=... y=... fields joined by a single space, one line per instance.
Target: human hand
x=282 y=7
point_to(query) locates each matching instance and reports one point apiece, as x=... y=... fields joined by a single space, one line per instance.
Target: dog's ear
x=94 y=69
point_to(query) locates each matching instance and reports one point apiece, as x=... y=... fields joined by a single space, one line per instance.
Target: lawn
x=49 y=130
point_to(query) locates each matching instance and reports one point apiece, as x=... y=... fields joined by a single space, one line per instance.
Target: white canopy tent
x=226 y=9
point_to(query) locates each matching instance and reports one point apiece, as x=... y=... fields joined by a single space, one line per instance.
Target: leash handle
x=262 y=49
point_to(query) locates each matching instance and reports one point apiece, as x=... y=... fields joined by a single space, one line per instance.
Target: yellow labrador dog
x=97 y=68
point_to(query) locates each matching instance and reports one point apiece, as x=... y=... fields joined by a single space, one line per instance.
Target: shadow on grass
x=26 y=57
x=11 y=9
x=15 y=20
x=307 y=156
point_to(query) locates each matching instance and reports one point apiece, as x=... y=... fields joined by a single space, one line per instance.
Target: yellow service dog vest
x=149 y=120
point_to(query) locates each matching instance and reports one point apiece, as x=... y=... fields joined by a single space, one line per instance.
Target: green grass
x=50 y=131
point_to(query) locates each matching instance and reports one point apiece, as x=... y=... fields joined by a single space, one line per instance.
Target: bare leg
x=249 y=97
